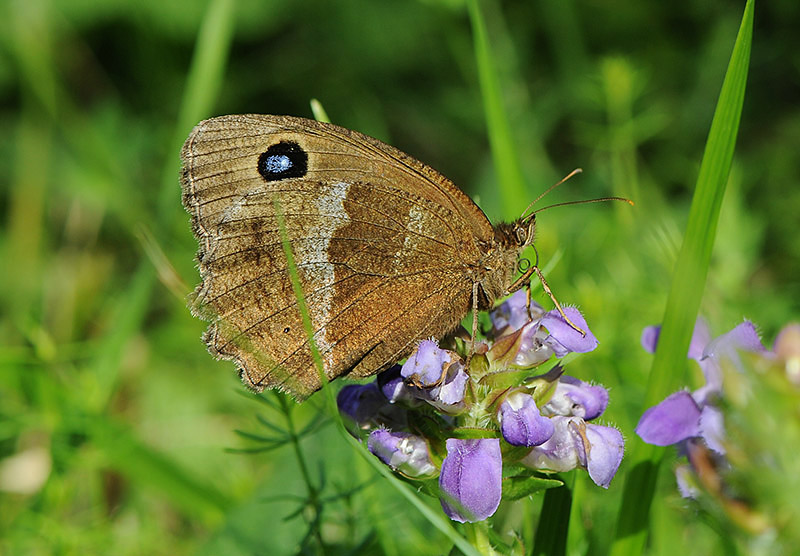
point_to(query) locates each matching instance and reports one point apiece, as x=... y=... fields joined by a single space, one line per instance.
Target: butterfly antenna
x=548 y=190
x=583 y=202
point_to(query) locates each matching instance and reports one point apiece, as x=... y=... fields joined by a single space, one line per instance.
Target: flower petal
x=521 y=423
x=560 y=452
x=425 y=367
x=700 y=337
x=403 y=452
x=563 y=338
x=727 y=346
x=687 y=481
x=712 y=429
x=674 y=419
x=522 y=348
x=361 y=402
x=604 y=454
x=393 y=385
x=471 y=479
x=513 y=313
x=650 y=336
x=743 y=336
x=573 y=397
x=455 y=385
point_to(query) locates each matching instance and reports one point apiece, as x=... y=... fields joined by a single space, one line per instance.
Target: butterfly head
x=524 y=230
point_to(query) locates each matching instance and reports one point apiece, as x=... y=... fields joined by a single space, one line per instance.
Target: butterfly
x=387 y=250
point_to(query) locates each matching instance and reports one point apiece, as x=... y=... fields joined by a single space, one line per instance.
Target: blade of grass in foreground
x=688 y=282
x=506 y=162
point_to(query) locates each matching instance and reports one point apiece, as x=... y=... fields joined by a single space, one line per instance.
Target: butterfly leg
x=474 y=324
x=549 y=292
x=528 y=297
x=474 y=313
x=525 y=278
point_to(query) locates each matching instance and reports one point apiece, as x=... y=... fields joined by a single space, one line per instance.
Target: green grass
x=104 y=382
x=686 y=291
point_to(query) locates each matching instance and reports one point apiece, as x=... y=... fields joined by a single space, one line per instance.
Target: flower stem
x=478 y=536
x=313 y=502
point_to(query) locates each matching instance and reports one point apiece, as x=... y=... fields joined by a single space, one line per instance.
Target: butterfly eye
x=283 y=160
x=522 y=235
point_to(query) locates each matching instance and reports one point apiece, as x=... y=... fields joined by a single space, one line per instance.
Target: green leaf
x=521 y=486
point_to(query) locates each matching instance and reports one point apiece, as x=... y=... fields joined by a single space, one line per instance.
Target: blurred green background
x=116 y=425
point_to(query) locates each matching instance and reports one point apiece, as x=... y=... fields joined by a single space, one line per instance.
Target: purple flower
x=513 y=313
x=361 y=403
x=684 y=415
x=673 y=420
x=471 y=479
x=436 y=376
x=403 y=452
x=603 y=451
x=522 y=348
x=426 y=366
x=575 y=443
x=521 y=423
x=563 y=338
x=574 y=397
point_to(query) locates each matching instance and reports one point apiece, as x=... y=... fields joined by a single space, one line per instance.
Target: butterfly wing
x=384 y=246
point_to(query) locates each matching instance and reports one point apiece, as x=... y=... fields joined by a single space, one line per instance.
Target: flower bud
x=403 y=452
x=471 y=479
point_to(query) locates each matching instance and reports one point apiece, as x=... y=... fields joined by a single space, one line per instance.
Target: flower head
x=684 y=415
x=692 y=420
x=471 y=401
x=471 y=479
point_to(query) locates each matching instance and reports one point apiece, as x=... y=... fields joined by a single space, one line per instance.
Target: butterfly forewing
x=384 y=248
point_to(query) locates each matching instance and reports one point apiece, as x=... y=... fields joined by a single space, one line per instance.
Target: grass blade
x=506 y=161
x=686 y=291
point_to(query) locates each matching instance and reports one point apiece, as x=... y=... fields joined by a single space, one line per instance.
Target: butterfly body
x=387 y=250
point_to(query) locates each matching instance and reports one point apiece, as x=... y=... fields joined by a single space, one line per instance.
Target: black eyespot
x=283 y=160
x=286 y=330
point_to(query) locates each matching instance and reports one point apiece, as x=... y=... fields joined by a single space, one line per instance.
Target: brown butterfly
x=387 y=250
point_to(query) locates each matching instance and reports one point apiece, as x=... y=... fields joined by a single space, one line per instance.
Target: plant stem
x=313 y=502
x=478 y=536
